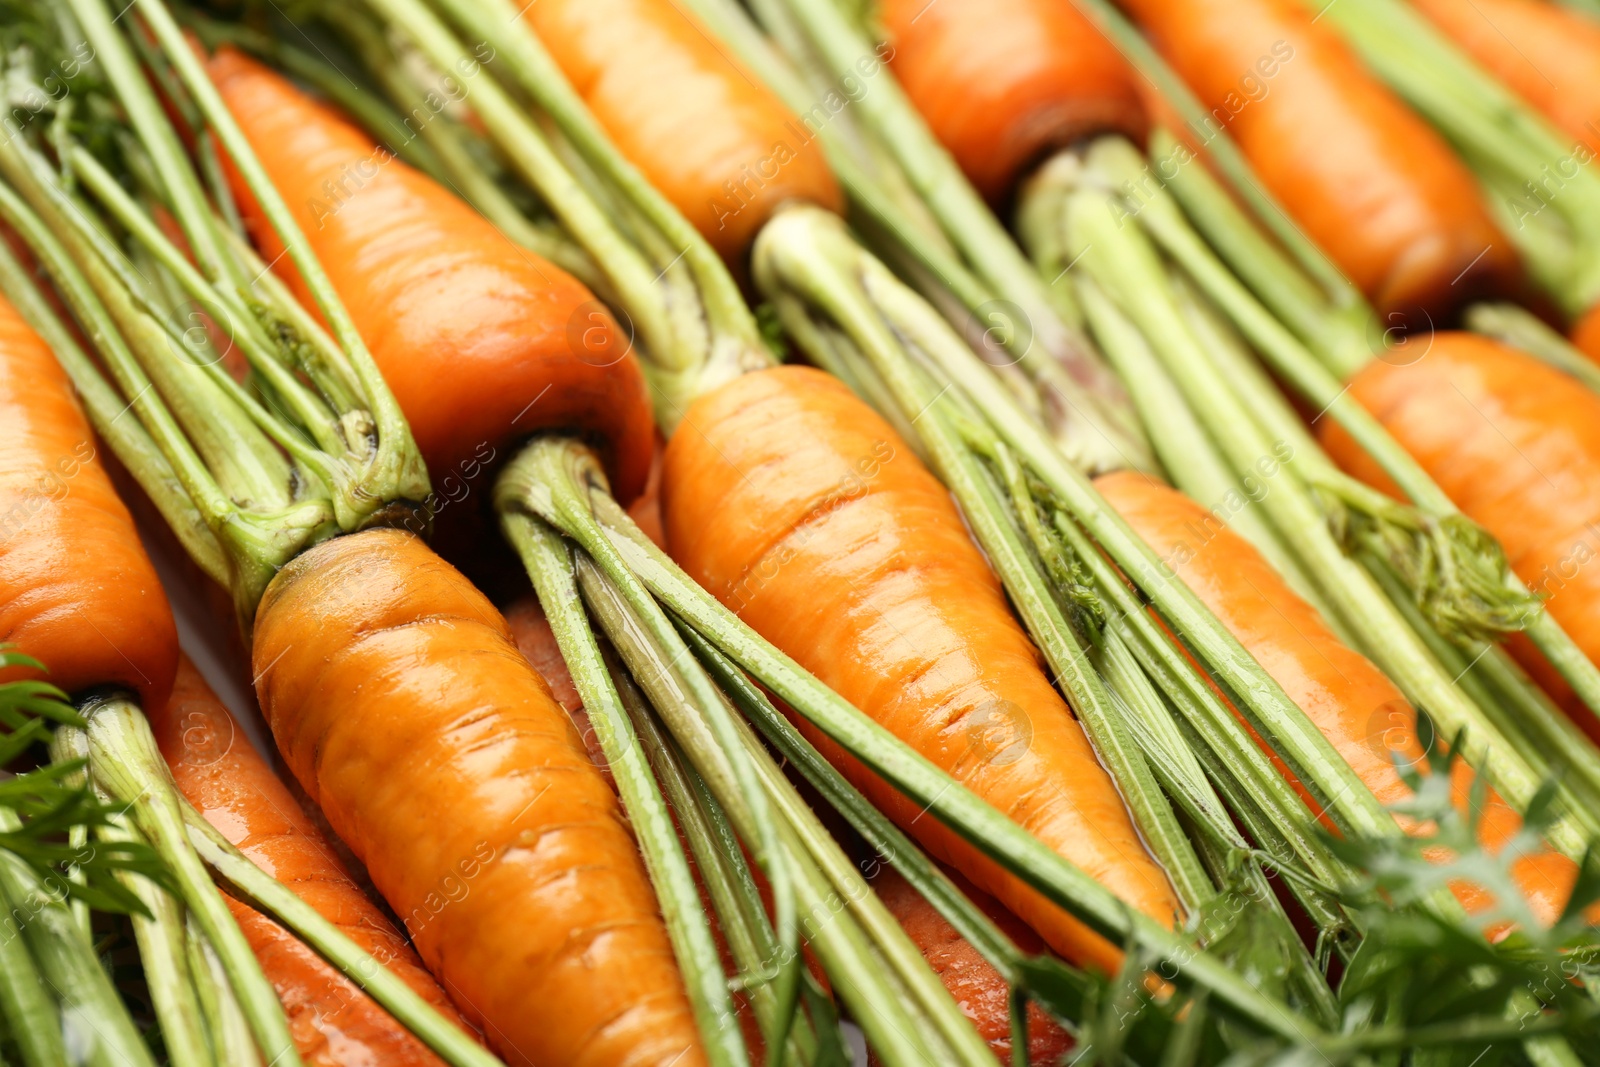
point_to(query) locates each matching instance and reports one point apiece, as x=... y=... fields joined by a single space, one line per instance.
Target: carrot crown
x=135 y=236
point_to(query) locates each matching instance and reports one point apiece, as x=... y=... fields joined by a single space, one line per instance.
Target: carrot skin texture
x=334 y=1023
x=1003 y=82
x=77 y=591
x=1516 y=444
x=799 y=508
x=1357 y=708
x=481 y=341
x=976 y=986
x=404 y=709
x=706 y=132
x=1367 y=178
x=1547 y=54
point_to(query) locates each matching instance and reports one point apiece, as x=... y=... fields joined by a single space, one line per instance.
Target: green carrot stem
x=396 y=471
x=549 y=563
x=31 y=1015
x=272 y=898
x=124 y=760
x=1130 y=269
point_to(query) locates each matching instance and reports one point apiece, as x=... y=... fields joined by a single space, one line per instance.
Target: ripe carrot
x=1516 y=444
x=706 y=132
x=971 y=979
x=77 y=591
x=1003 y=82
x=481 y=341
x=1357 y=708
x=1586 y=333
x=1368 y=180
x=1549 y=55
x=531 y=633
x=438 y=754
x=795 y=504
x=334 y=1023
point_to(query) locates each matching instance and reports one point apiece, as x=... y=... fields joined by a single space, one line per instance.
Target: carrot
x=1367 y=179
x=1357 y=708
x=334 y=1023
x=1586 y=333
x=971 y=979
x=1548 y=54
x=1003 y=82
x=705 y=131
x=401 y=704
x=1516 y=444
x=77 y=591
x=481 y=341
x=531 y=633
x=796 y=505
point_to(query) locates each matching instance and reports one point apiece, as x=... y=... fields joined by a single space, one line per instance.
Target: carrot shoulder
x=408 y=715
x=77 y=591
x=1516 y=444
x=1367 y=179
x=1357 y=708
x=1003 y=82
x=334 y=1023
x=481 y=341
x=796 y=505
x=706 y=132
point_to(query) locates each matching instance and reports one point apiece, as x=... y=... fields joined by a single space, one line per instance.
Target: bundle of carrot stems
x=800 y=531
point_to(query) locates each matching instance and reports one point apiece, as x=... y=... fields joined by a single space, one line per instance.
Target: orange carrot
x=1548 y=54
x=1003 y=82
x=77 y=592
x=481 y=341
x=1516 y=444
x=795 y=504
x=439 y=755
x=334 y=1023
x=1368 y=180
x=1586 y=333
x=705 y=131
x=971 y=979
x=1357 y=708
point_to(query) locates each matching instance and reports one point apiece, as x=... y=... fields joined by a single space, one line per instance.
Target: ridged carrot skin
x=437 y=753
x=481 y=341
x=1516 y=444
x=1003 y=82
x=1548 y=54
x=704 y=130
x=977 y=987
x=1357 y=708
x=77 y=591
x=1367 y=179
x=334 y=1023
x=800 y=509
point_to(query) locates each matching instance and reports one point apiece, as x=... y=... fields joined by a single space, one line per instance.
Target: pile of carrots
x=410 y=755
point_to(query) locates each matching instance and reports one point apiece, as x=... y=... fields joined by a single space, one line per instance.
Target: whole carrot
x=77 y=592
x=973 y=982
x=334 y=1023
x=1354 y=704
x=401 y=704
x=1367 y=179
x=481 y=341
x=796 y=505
x=1547 y=53
x=1003 y=82
x=707 y=133
x=1516 y=444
